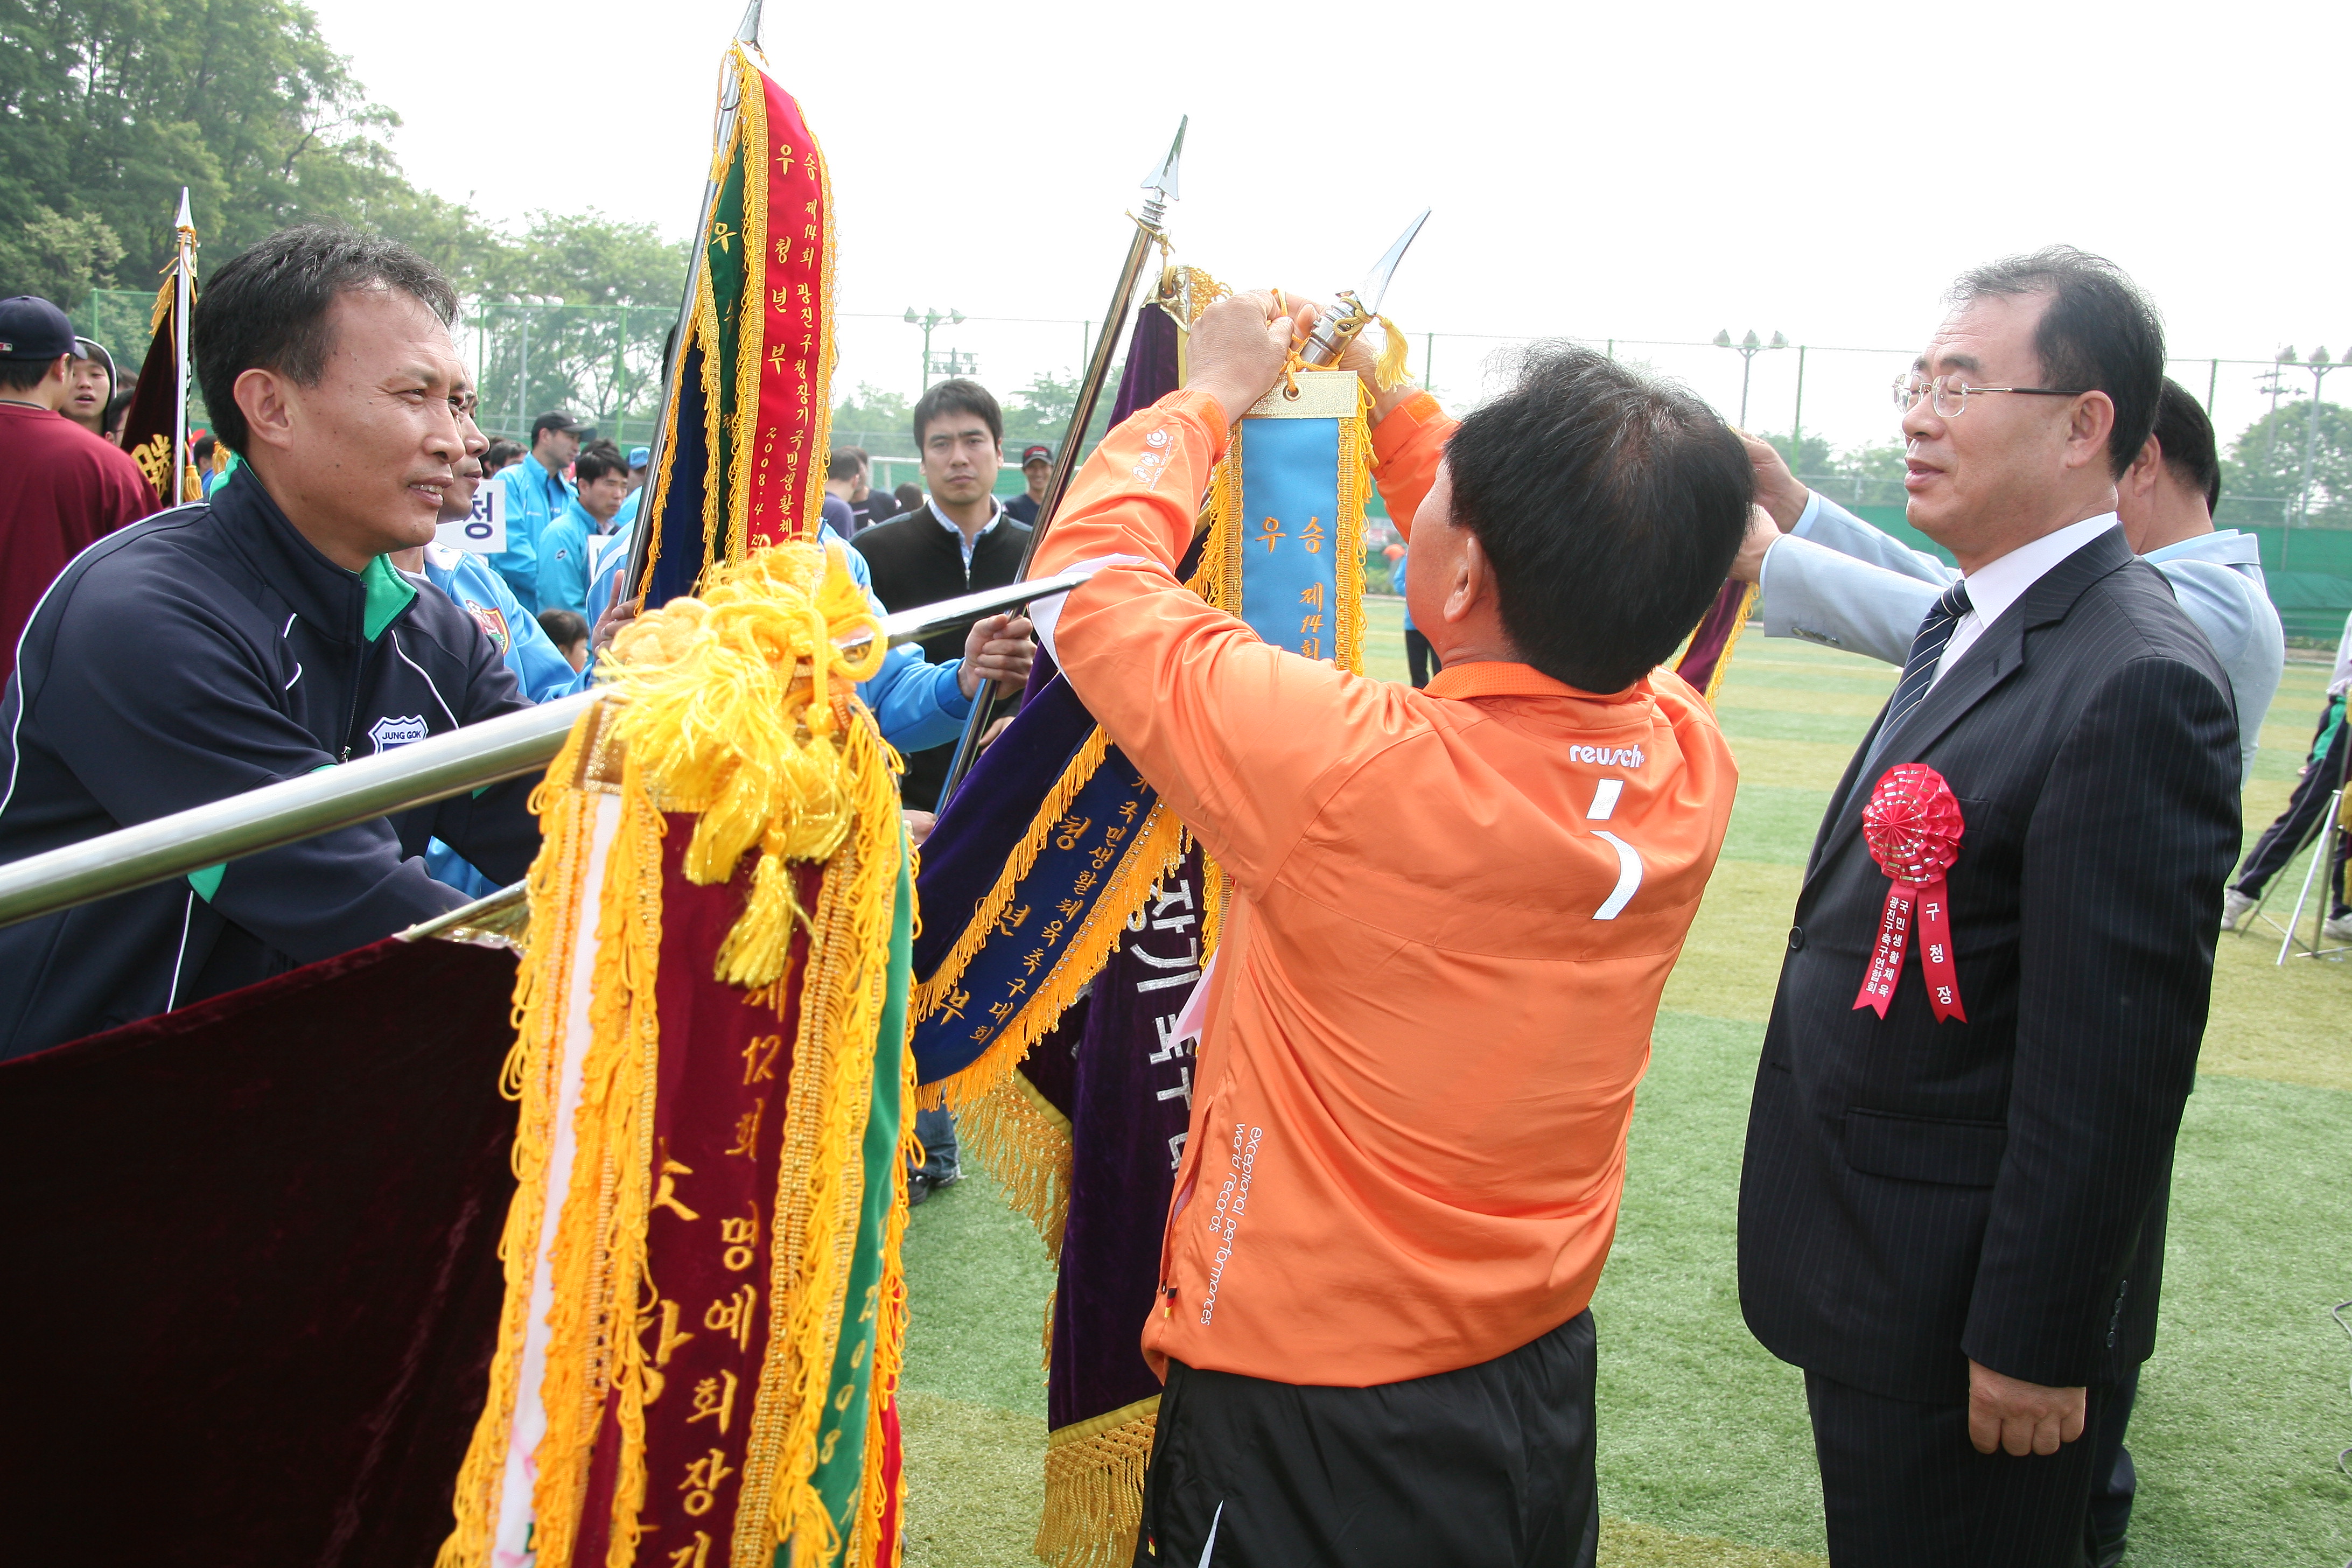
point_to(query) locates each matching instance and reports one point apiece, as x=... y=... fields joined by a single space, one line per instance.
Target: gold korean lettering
x=714 y=1399
x=701 y=1483
x=731 y=1316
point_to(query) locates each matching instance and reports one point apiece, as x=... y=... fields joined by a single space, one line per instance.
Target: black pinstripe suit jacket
x=1919 y=1195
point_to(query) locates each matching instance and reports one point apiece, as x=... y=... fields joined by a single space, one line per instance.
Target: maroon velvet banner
x=253 y=1261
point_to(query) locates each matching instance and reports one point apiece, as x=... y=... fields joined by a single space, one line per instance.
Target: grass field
x=1705 y=1458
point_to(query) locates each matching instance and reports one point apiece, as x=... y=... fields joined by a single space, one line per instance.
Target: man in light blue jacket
x=1829 y=577
x=537 y=493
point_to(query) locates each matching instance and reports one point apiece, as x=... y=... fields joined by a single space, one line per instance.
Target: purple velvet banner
x=1130 y=1099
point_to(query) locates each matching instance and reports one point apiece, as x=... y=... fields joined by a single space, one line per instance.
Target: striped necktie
x=1919 y=669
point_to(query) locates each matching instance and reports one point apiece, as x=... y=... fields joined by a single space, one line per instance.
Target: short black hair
x=118 y=407
x=266 y=309
x=24 y=374
x=908 y=495
x=599 y=460
x=499 y=454
x=958 y=396
x=2098 y=333
x=563 y=628
x=1610 y=502
x=2185 y=438
x=202 y=448
x=843 y=466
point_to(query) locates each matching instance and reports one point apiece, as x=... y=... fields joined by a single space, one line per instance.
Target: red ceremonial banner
x=795 y=317
x=1913 y=826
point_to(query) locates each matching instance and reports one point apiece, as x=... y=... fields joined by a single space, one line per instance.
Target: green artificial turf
x=1705 y=1458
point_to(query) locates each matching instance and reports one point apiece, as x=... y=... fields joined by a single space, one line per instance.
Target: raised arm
x=1246 y=740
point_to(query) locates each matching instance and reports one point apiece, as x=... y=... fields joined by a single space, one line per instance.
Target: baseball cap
x=1037 y=455
x=640 y=456
x=32 y=328
x=558 y=420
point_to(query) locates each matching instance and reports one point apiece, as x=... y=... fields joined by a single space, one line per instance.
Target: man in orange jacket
x=1452 y=912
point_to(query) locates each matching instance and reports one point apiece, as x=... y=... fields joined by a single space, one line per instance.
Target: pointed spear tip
x=748 y=30
x=1162 y=178
x=185 y=220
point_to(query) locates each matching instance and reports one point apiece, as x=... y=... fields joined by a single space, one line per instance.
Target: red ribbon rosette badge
x=1913 y=828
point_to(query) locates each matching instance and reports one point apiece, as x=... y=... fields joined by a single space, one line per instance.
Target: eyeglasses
x=1949 y=395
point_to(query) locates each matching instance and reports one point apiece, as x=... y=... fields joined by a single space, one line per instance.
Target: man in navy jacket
x=255 y=637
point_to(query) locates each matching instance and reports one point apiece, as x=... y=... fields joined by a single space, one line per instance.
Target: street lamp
x=1747 y=348
x=930 y=318
x=2319 y=366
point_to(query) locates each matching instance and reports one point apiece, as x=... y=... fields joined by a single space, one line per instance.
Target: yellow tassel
x=756 y=950
x=1390 y=369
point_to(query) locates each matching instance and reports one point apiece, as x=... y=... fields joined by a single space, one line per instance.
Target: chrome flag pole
x=183 y=290
x=1160 y=187
x=449 y=764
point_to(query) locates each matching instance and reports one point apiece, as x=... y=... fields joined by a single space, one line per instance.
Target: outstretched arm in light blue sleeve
x=1828 y=524
x=916 y=704
x=1814 y=594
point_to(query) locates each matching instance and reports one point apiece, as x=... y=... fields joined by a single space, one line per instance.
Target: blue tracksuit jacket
x=204 y=652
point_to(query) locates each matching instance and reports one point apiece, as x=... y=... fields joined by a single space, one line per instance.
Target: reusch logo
x=1608 y=757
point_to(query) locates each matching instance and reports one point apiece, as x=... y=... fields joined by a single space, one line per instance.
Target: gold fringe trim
x=1722 y=661
x=531 y=1075
x=617 y=1102
x=1080 y=771
x=821 y=1179
x=1094 y=1488
x=1354 y=484
x=1025 y=1144
x=868 y=1545
x=1156 y=848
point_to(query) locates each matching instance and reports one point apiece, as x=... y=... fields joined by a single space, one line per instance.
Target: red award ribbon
x=1913 y=828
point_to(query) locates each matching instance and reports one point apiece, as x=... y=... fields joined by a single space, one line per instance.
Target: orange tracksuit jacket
x=1433 y=998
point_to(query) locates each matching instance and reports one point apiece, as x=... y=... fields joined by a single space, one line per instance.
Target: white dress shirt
x=1997 y=585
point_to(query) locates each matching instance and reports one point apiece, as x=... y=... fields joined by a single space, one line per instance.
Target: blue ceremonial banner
x=1290 y=510
x=1289 y=540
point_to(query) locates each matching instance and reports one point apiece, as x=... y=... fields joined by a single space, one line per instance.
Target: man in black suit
x=1957 y=1227
x=961 y=541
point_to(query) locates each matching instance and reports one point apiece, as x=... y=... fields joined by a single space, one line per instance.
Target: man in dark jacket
x=1952 y=1210
x=255 y=637
x=960 y=541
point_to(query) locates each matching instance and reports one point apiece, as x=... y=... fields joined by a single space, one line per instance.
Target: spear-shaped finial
x=1162 y=179
x=187 y=219
x=748 y=30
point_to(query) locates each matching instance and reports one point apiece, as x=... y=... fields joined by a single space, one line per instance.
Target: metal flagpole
x=182 y=301
x=730 y=104
x=509 y=746
x=1161 y=187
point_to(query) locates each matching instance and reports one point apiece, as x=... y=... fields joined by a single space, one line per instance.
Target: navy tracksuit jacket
x=206 y=651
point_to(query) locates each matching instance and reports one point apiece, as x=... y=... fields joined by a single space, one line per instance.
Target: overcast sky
x=1636 y=172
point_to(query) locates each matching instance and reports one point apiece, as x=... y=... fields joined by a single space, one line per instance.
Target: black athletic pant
x=1902 y=1487
x=1489 y=1467
x=1419 y=658
x=2281 y=840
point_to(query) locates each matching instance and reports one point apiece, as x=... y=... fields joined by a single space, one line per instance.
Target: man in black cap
x=538 y=491
x=1036 y=465
x=60 y=486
